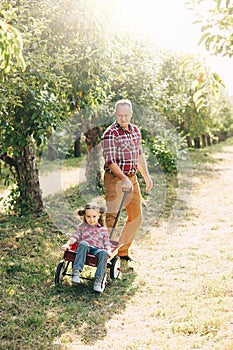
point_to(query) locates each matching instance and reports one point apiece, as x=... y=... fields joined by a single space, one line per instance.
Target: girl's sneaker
x=76 y=276
x=97 y=285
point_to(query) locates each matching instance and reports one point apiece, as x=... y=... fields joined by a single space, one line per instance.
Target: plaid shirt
x=95 y=236
x=122 y=147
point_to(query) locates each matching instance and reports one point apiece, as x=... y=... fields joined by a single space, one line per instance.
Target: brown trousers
x=133 y=206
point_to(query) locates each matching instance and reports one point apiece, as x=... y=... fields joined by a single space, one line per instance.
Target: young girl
x=92 y=237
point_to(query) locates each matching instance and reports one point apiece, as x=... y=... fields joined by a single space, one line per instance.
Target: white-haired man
x=123 y=156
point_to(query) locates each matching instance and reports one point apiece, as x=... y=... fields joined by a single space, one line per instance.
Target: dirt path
x=184 y=280
x=54 y=182
x=183 y=286
x=61 y=179
x=212 y=199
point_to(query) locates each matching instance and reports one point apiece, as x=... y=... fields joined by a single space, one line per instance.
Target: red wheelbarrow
x=114 y=262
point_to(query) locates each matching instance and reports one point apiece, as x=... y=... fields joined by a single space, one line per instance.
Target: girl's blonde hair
x=95 y=206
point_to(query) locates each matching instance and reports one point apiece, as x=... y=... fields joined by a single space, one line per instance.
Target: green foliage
x=216 y=22
x=35 y=101
x=188 y=94
x=162 y=156
x=133 y=71
x=79 y=61
x=11 y=47
x=63 y=57
x=165 y=150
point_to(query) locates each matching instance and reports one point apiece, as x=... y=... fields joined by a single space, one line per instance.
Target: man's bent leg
x=113 y=197
x=134 y=221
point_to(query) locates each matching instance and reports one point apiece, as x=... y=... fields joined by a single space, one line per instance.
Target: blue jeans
x=83 y=249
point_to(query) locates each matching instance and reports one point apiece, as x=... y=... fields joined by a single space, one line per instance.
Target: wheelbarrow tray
x=91 y=260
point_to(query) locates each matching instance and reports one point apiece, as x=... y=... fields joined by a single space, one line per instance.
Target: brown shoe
x=126 y=258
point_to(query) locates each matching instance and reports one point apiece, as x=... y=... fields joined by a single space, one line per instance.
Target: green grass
x=33 y=310
x=205 y=155
x=180 y=290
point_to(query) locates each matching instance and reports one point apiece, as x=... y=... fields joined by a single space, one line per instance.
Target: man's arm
x=142 y=166
x=109 y=152
x=126 y=183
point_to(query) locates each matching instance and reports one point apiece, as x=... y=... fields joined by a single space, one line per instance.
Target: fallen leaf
x=98 y=303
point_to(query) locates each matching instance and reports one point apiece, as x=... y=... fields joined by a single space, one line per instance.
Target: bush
x=162 y=156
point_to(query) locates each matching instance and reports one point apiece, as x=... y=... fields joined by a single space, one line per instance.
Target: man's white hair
x=124 y=102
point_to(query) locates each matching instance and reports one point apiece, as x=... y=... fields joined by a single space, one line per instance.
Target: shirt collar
x=130 y=127
x=86 y=224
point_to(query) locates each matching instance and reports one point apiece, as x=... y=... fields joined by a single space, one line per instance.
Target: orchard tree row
x=77 y=61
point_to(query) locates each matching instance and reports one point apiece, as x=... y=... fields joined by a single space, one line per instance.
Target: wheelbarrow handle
x=118 y=213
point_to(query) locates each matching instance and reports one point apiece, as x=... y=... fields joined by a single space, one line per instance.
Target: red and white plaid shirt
x=95 y=236
x=122 y=147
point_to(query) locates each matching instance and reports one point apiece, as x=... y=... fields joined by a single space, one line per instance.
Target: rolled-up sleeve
x=109 y=144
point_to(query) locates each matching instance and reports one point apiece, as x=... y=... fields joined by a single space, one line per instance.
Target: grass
x=176 y=296
x=206 y=155
x=34 y=311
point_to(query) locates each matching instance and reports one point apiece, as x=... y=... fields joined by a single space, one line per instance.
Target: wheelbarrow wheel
x=115 y=267
x=104 y=282
x=60 y=272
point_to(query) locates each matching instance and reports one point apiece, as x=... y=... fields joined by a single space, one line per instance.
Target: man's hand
x=127 y=185
x=149 y=183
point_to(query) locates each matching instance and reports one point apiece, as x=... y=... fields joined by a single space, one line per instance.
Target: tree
x=187 y=95
x=11 y=47
x=85 y=65
x=33 y=103
x=78 y=64
x=65 y=74
x=216 y=22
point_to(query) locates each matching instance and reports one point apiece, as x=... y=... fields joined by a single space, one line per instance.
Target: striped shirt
x=96 y=236
x=122 y=147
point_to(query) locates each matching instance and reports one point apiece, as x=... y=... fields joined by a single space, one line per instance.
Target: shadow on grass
x=87 y=312
x=36 y=314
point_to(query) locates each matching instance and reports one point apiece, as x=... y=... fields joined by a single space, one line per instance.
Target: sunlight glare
x=169 y=24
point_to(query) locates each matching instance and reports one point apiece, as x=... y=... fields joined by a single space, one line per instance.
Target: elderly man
x=123 y=157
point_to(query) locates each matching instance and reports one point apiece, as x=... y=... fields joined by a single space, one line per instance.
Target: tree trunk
x=189 y=141
x=30 y=198
x=197 y=142
x=77 y=146
x=203 y=140
x=208 y=139
x=94 y=153
x=215 y=140
x=222 y=136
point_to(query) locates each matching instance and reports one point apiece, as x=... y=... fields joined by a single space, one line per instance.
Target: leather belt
x=129 y=175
